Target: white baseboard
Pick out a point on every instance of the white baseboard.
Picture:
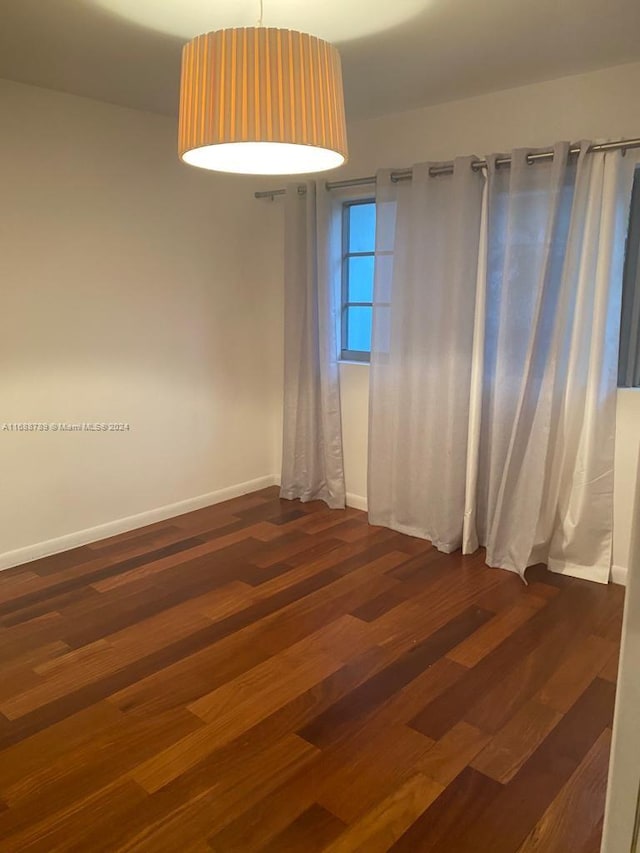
(131, 522)
(619, 574)
(356, 501)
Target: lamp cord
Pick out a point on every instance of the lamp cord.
(261, 13)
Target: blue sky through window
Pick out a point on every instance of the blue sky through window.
(359, 233)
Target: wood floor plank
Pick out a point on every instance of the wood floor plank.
(45, 605)
(482, 642)
(264, 820)
(507, 820)
(379, 828)
(223, 786)
(269, 675)
(529, 678)
(136, 571)
(446, 820)
(258, 639)
(88, 575)
(594, 842)
(512, 592)
(508, 750)
(20, 673)
(330, 725)
(27, 758)
(575, 673)
(452, 753)
(95, 691)
(92, 813)
(281, 550)
(89, 663)
(371, 766)
(78, 667)
(608, 622)
(276, 811)
(232, 708)
(149, 532)
(231, 711)
(404, 704)
(573, 817)
(173, 821)
(111, 752)
(312, 831)
(432, 568)
(148, 540)
(30, 637)
(438, 603)
(610, 670)
(481, 696)
(53, 564)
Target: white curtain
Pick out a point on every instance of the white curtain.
(543, 404)
(501, 337)
(312, 466)
(427, 236)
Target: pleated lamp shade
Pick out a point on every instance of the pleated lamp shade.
(261, 101)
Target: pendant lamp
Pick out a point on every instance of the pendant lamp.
(261, 101)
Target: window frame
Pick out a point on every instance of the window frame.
(347, 354)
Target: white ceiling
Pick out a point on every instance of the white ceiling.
(397, 54)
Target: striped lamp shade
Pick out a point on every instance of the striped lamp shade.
(261, 101)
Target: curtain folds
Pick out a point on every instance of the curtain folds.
(312, 465)
(547, 391)
(427, 237)
(494, 363)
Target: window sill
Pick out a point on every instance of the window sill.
(348, 361)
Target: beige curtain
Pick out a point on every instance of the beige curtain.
(312, 466)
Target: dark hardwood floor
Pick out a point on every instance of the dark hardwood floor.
(267, 675)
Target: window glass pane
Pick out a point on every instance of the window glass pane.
(361, 279)
(362, 227)
(359, 329)
(629, 354)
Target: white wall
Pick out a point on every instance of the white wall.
(626, 475)
(624, 769)
(133, 289)
(603, 104)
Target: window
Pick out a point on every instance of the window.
(358, 253)
(629, 364)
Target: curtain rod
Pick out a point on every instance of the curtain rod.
(447, 168)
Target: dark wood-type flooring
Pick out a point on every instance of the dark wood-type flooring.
(267, 675)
